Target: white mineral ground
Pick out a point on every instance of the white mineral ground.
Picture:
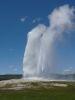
(18, 84)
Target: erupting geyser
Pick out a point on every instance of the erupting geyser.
(39, 49)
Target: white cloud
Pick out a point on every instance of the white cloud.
(68, 70)
(36, 20)
(23, 19)
(13, 68)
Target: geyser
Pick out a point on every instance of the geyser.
(38, 56)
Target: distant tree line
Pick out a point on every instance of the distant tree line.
(7, 77)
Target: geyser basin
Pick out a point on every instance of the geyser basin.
(21, 84)
(38, 56)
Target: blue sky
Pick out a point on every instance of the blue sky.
(17, 17)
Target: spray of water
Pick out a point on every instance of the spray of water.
(38, 56)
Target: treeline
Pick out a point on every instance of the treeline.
(7, 77)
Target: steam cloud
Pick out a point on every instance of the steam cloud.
(39, 49)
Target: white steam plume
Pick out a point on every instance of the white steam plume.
(39, 49)
(32, 50)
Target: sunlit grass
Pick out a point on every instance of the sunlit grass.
(54, 93)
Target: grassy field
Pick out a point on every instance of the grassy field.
(54, 93)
